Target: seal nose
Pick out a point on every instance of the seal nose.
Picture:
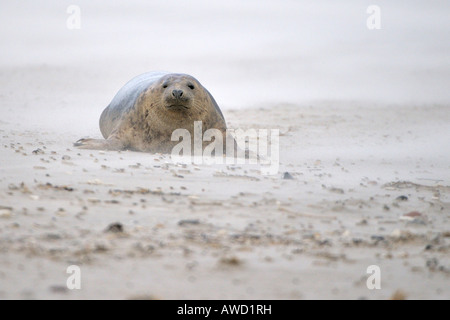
(177, 93)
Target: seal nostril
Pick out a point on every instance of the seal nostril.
(177, 93)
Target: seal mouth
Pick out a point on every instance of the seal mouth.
(177, 107)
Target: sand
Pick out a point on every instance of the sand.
(369, 178)
(201, 232)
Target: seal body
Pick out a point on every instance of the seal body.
(145, 112)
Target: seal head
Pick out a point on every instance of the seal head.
(177, 92)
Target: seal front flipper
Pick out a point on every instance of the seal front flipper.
(100, 144)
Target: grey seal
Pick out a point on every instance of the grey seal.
(147, 109)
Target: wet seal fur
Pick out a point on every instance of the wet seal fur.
(147, 109)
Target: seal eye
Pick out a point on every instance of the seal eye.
(191, 86)
(165, 85)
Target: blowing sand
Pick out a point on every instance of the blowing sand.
(360, 183)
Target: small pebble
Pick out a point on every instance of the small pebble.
(58, 289)
(398, 295)
(115, 227)
(38, 151)
(5, 213)
(377, 238)
(414, 216)
(230, 261)
(186, 222)
(287, 176)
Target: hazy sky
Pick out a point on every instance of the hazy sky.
(247, 52)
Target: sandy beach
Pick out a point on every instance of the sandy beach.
(364, 173)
